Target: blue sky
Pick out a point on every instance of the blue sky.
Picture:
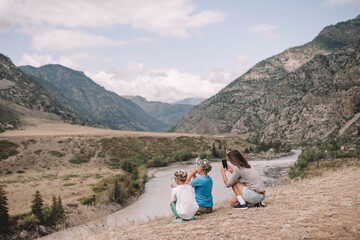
(164, 50)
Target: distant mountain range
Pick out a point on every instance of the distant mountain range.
(305, 94)
(168, 113)
(92, 102)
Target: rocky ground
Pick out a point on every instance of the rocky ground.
(321, 207)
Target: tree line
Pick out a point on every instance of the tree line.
(39, 214)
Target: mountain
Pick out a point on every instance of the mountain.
(306, 93)
(165, 112)
(190, 101)
(17, 88)
(91, 101)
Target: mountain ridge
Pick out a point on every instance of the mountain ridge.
(92, 101)
(233, 109)
(165, 112)
(18, 88)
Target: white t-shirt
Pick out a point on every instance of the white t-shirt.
(186, 205)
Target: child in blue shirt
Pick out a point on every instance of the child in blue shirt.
(202, 185)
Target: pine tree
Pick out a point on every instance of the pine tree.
(60, 209)
(117, 192)
(214, 152)
(53, 213)
(37, 205)
(4, 214)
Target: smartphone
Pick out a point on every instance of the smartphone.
(224, 163)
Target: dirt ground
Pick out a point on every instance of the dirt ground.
(322, 207)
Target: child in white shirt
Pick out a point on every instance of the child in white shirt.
(183, 203)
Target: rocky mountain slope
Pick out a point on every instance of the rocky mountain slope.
(18, 88)
(307, 93)
(165, 112)
(91, 101)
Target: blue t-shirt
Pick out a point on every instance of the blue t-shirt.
(203, 187)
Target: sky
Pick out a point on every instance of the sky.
(163, 50)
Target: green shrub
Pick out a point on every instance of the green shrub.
(68, 177)
(29, 220)
(158, 162)
(8, 149)
(303, 160)
(203, 155)
(79, 159)
(101, 155)
(20, 171)
(69, 184)
(57, 154)
(118, 194)
(183, 155)
(88, 200)
(72, 205)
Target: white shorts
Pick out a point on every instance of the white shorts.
(252, 197)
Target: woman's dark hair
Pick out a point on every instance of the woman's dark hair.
(238, 158)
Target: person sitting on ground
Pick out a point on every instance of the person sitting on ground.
(245, 181)
(183, 203)
(202, 185)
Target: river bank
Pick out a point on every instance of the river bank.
(154, 202)
(322, 207)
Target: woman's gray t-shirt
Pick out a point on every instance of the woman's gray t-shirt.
(248, 176)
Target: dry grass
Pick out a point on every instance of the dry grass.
(46, 146)
(326, 207)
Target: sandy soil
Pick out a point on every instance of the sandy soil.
(326, 207)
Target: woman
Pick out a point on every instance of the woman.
(245, 181)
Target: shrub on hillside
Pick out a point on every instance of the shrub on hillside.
(183, 155)
(29, 220)
(303, 160)
(202, 155)
(91, 200)
(79, 159)
(8, 149)
(57, 154)
(158, 162)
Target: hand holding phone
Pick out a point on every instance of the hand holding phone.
(224, 163)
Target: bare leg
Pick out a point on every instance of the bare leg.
(238, 188)
(234, 201)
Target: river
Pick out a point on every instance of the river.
(155, 200)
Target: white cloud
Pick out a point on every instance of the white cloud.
(168, 84)
(340, 2)
(176, 18)
(265, 31)
(133, 68)
(60, 39)
(37, 60)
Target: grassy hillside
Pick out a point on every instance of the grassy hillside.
(82, 170)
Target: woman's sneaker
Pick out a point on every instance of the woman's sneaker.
(241, 206)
